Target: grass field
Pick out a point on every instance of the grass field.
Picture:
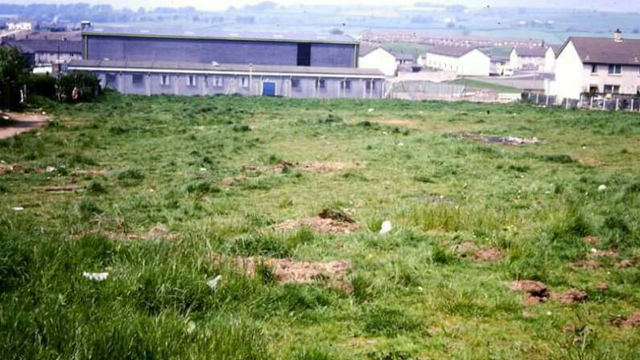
(477, 84)
(175, 189)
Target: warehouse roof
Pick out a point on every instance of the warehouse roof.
(220, 35)
(47, 46)
(171, 67)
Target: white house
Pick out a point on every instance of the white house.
(607, 66)
(463, 60)
(539, 58)
(19, 26)
(375, 57)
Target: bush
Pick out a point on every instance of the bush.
(43, 85)
(87, 85)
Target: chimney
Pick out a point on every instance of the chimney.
(617, 36)
(85, 24)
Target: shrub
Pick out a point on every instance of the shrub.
(86, 84)
(43, 85)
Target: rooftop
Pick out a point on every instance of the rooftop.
(48, 46)
(223, 68)
(450, 50)
(220, 35)
(531, 51)
(606, 50)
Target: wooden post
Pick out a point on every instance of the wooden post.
(604, 104)
(632, 99)
(617, 104)
(591, 106)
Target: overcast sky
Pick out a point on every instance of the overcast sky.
(605, 5)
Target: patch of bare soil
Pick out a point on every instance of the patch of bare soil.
(20, 122)
(291, 271)
(465, 249)
(602, 287)
(14, 168)
(90, 172)
(488, 255)
(506, 140)
(589, 161)
(631, 321)
(328, 167)
(587, 264)
(571, 296)
(536, 292)
(318, 225)
(159, 231)
(411, 124)
(603, 253)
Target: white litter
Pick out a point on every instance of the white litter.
(386, 227)
(191, 327)
(213, 282)
(594, 250)
(18, 208)
(370, 110)
(5, 117)
(400, 144)
(602, 188)
(50, 169)
(203, 169)
(96, 276)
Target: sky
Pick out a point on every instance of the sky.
(604, 5)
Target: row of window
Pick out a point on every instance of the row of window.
(613, 69)
(192, 80)
(608, 89)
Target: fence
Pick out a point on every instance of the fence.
(619, 103)
(425, 90)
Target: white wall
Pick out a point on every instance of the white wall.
(569, 74)
(513, 62)
(549, 61)
(475, 63)
(381, 60)
(629, 80)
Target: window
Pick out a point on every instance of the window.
(321, 84)
(612, 89)
(191, 80)
(345, 85)
(594, 68)
(371, 85)
(165, 80)
(137, 79)
(304, 55)
(217, 82)
(593, 89)
(111, 79)
(295, 83)
(244, 82)
(615, 69)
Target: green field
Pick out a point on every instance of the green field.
(477, 84)
(175, 190)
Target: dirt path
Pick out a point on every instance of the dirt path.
(22, 122)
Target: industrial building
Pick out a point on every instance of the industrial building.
(223, 47)
(155, 78)
(214, 62)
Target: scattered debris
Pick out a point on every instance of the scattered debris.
(157, 231)
(508, 140)
(18, 208)
(50, 169)
(571, 296)
(213, 282)
(64, 188)
(488, 255)
(386, 227)
(602, 188)
(291, 271)
(96, 276)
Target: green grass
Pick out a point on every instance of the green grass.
(477, 84)
(164, 160)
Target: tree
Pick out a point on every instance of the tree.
(12, 69)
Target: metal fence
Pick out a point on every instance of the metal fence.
(425, 90)
(618, 103)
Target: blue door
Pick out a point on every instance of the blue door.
(268, 89)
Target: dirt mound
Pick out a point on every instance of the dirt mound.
(336, 215)
(12, 168)
(571, 296)
(631, 321)
(411, 124)
(507, 140)
(602, 287)
(465, 249)
(624, 264)
(328, 167)
(589, 161)
(318, 225)
(488, 255)
(603, 253)
(531, 287)
(291, 271)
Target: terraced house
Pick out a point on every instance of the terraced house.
(140, 61)
(597, 66)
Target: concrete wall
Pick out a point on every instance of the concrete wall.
(55, 58)
(570, 74)
(473, 63)
(221, 51)
(381, 60)
(233, 84)
(549, 61)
